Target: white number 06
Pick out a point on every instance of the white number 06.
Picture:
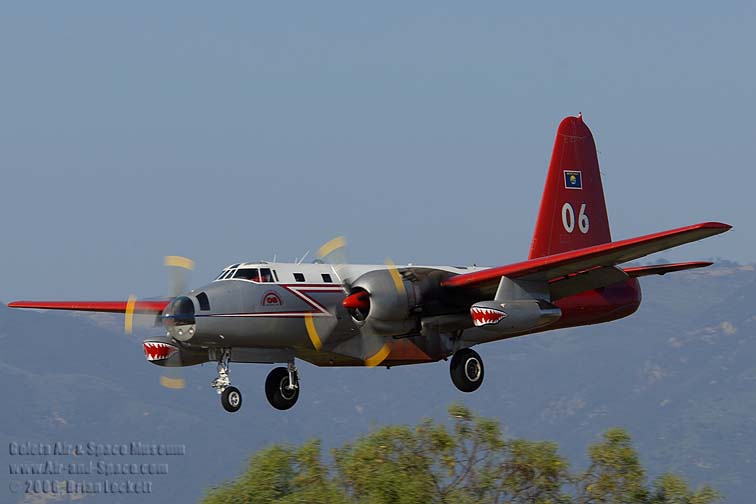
(568, 218)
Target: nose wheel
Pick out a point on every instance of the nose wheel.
(282, 387)
(231, 397)
(466, 370)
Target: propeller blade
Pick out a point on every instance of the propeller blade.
(136, 316)
(179, 273)
(375, 349)
(319, 329)
(175, 382)
(333, 252)
(128, 319)
(332, 248)
(178, 283)
(395, 276)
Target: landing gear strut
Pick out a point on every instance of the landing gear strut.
(282, 387)
(231, 397)
(466, 370)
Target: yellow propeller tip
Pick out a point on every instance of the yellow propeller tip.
(312, 332)
(179, 262)
(128, 319)
(172, 383)
(331, 246)
(395, 276)
(378, 357)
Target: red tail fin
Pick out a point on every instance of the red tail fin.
(573, 211)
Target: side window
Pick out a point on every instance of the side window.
(326, 277)
(299, 277)
(266, 275)
(203, 301)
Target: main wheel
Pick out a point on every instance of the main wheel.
(278, 391)
(466, 370)
(231, 399)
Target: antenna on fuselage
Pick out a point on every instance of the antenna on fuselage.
(303, 257)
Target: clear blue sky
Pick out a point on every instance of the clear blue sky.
(421, 130)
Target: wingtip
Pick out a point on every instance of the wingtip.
(721, 226)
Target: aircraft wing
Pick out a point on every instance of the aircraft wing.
(146, 306)
(555, 267)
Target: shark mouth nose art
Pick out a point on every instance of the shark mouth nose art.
(486, 316)
(156, 350)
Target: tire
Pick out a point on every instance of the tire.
(279, 396)
(231, 399)
(467, 370)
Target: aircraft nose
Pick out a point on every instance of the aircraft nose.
(179, 320)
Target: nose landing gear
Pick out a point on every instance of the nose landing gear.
(231, 397)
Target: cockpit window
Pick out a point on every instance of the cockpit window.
(266, 275)
(248, 274)
(221, 275)
(228, 274)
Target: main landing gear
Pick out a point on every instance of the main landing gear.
(281, 386)
(466, 370)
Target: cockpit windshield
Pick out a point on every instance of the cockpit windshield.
(248, 274)
(265, 275)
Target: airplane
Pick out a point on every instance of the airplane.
(331, 313)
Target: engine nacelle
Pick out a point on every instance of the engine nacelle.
(164, 352)
(390, 303)
(513, 317)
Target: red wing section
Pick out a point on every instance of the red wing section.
(574, 261)
(94, 306)
(662, 269)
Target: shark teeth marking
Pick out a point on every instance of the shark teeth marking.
(157, 350)
(486, 316)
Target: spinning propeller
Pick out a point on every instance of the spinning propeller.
(178, 280)
(373, 344)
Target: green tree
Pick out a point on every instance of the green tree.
(615, 474)
(467, 462)
(672, 489)
(282, 475)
